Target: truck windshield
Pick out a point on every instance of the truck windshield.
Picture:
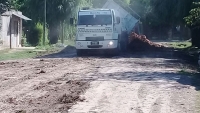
(98, 20)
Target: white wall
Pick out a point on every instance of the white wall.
(0, 28)
(15, 40)
(5, 28)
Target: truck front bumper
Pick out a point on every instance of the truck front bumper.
(106, 44)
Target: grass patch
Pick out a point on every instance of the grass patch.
(67, 42)
(56, 46)
(13, 54)
(24, 54)
(180, 45)
(46, 47)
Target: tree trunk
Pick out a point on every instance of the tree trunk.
(170, 34)
(195, 37)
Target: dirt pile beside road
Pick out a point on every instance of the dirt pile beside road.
(141, 43)
(68, 49)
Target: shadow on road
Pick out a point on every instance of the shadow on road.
(70, 52)
(170, 80)
(173, 59)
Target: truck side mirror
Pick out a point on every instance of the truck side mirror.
(118, 20)
(72, 21)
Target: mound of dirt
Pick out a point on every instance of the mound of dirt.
(68, 49)
(141, 43)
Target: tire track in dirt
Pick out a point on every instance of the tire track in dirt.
(118, 85)
(24, 89)
(132, 86)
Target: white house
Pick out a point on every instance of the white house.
(11, 28)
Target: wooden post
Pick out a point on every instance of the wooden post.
(44, 24)
(62, 40)
(11, 31)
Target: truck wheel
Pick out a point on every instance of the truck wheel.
(79, 52)
(117, 50)
(124, 42)
(113, 52)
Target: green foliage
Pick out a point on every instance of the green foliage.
(166, 13)
(57, 11)
(193, 21)
(39, 28)
(8, 4)
(35, 35)
(154, 14)
(4, 5)
(180, 45)
(14, 54)
(194, 17)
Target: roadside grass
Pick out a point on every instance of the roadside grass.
(56, 46)
(67, 42)
(180, 45)
(186, 51)
(13, 54)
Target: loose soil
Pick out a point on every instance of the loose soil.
(129, 83)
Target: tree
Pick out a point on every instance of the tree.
(161, 15)
(57, 12)
(193, 21)
(4, 5)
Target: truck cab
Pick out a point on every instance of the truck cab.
(97, 30)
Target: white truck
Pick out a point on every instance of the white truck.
(96, 30)
(100, 29)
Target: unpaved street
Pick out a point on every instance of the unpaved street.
(136, 83)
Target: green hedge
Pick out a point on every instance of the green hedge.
(35, 35)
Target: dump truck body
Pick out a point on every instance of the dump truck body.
(127, 21)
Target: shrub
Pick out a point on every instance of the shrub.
(35, 35)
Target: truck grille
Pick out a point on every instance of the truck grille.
(94, 30)
(94, 38)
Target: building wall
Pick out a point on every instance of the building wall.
(6, 31)
(0, 30)
(5, 28)
(15, 31)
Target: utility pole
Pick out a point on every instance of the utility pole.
(44, 25)
(62, 24)
(11, 31)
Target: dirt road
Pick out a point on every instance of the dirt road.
(135, 83)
